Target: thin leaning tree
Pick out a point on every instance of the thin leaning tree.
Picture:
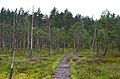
(13, 48)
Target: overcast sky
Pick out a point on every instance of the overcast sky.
(83, 7)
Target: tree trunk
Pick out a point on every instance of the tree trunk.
(106, 39)
(14, 42)
(94, 39)
(12, 65)
(49, 39)
(31, 36)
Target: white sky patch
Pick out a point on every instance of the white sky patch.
(83, 7)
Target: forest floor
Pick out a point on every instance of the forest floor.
(82, 65)
(91, 67)
(25, 69)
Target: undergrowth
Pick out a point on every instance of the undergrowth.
(25, 69)
(107, 67)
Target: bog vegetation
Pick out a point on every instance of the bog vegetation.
(32, 45)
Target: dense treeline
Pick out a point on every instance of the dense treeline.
(59, 30)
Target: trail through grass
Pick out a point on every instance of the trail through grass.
(25, 69)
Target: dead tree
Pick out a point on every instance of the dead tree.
(12, 66)
(31, 36)
(13, 49)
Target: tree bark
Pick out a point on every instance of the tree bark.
(31, 36)
(49, 39)
(14, 42)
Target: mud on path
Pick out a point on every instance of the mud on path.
(63, 69)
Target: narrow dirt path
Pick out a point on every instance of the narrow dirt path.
(63, 70)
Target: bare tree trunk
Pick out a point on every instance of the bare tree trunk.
(31, 36)
(74, 42)
(106, 46)
(39, 47)
(77, 43)
(106, 39)
(94, 39)
(28, 41)
(118, 46)
(118, 43)
(12, 65)
(13, 49)
(2, 35)
(49, 39)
